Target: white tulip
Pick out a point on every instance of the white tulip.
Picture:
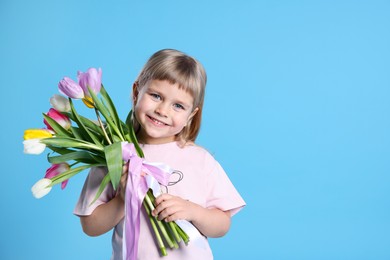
(33, 146)
(60, 103)
(41, 188)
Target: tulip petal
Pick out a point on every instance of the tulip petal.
(36, 134)
(70, 88)
(88, 101)
(64, 183)
(56, 169)
(33, 146)
(61, 119)
(40, 188)
(60, 103)
(92, 78)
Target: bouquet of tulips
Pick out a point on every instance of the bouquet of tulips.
(78, 143)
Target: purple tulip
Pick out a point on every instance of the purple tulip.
(56, 169)
(92, 78)
(70, 88)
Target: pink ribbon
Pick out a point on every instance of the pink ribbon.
(136, 189)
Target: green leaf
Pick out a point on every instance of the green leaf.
(80, 134)
(105, 112)
(133, 137)
(101, 107)
(116, 138)
(60, 150)
(70, 143)
(126, 132)
(57, 127)
(88, 123)
(103, 184)
(109, 129)
(114, 161)
(109, 104)
(111, 108)
(84, 131)
(77, 133)
(68, 174)
(79, 156)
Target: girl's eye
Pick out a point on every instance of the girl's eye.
(155, 96)
(178, 107)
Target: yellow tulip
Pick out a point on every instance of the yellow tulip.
(88, 101)
(37, 134)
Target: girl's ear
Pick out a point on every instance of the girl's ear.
(135, 92)
(192, 115)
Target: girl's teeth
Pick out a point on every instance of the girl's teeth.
(157, 122)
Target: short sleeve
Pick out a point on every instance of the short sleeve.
(90, 189)
(222, 193)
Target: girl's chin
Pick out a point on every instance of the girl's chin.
(155, 139)
(158, 140)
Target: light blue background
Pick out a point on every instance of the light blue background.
(297, 112)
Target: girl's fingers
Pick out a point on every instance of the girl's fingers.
(170, 208)
(125, 168)
(123, 181)
(160, 206)
(162, 197)
(171, 213)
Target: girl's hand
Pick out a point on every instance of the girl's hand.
(122, 184)
(172, 208)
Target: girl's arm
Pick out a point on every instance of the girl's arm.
(210, 222)
(104, 217)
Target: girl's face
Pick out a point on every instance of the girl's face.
(162, 109)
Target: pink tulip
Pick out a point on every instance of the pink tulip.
(92, 78)
(70, 88)
(56, 169)
(61, 119)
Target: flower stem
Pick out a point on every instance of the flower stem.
(158, 237)
(73, 164)
(182, 234)
(177, 233)
(159, 223)
(102, 126)
(174, 232)
(171, 235)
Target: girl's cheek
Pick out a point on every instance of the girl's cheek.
(138, 107)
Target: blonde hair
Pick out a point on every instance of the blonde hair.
(177, 68)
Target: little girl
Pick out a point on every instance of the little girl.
(168, 100)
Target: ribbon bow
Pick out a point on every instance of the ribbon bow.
(136, 188)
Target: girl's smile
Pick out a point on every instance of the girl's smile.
(163, 110)
(156, 122)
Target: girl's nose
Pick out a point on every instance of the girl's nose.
(162, 109)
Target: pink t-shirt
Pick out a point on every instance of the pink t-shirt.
(204, 182)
